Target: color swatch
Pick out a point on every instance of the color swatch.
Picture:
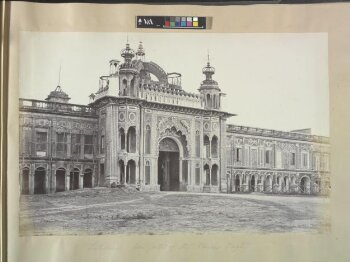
(181, 22)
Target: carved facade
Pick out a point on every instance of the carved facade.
(143, 130)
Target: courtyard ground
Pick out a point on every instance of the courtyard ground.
(122, 210)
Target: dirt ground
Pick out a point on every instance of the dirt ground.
(121, 210)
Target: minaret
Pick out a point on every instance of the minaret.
(127, 73)
(140, 53)
(209, 88)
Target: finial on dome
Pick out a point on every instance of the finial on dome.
(208, 58)
(59, 77)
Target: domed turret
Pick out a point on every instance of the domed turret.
(127, 53)
(128, 81)
(58, 95)
(209, 88)
(140, 53)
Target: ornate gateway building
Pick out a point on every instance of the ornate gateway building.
(141, 129)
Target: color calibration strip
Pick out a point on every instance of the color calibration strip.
(171, 22)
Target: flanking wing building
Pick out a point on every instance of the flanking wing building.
(142, 130)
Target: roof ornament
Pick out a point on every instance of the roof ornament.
(127, 53)
(59, 76)
(208, 71)
(140, 54)
(58, 95)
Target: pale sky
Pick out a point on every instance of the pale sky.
(276, 81)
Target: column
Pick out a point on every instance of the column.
(125, 166)
(31, 179)
(141, 140)
(209, 183)
(180, 170)
(81, 179)
(67, 180)
(136, 172)
(53, 182)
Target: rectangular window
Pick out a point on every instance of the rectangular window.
(198, 176)
(76, 144)
(61, 144)
(267, 157)
(305, 160)
(41, 144)
(27, 139)
(102, 144)
(292, 159)
(239, 154)
(254, 157)
(88, 144)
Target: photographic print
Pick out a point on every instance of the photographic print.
(157, 133)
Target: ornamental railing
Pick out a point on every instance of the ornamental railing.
(55, 107)
(276, 134)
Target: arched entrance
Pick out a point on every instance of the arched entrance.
(207, 174)
(131, 172)
(25, 181)
(237, 184)
(121, 172)
(305, 185)
(268, 184)
(39, 181)
(214, 175)
(168, 165)
(87, 181)
(74, 179)
(60, 179)
(252, 183)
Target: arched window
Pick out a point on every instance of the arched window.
(148, 140)
(132, 87)
(124, 87)
(206, 143)
(131, 140)
(208, 101)
(214, 147)
(122, 138)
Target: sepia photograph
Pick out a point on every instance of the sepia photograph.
(158, 133)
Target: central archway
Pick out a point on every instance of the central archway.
(168, 165)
